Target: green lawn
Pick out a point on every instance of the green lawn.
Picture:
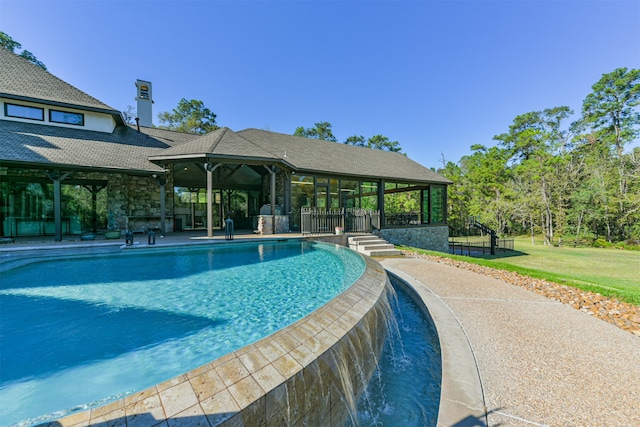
(611, 272)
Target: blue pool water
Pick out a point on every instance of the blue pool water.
(82, 331)
(405, 389)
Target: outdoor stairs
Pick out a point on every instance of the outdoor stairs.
(373, 246)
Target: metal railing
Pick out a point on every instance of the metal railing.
(403, 218)
(353, 220)
(476, 246)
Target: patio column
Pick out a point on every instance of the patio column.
(161, 180)
(210, 168)
(381, 203)
(273, 197)
(94, 190)
(57, 179)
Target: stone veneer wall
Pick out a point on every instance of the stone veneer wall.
(435, 238)
(309, 373)
(138, 196)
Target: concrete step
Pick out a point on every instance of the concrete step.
(382, 252)
(363, 238)
(373, 246)
(369, 243)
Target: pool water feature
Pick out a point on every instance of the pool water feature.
(114, 335)
(405, 389)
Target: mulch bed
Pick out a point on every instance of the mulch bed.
(621, 314)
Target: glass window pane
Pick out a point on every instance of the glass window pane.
(350, 194)
(333, 193)
(302, 190)
(369, 195)
(437, 204)
(425, 207)
(24, 112)
(66, 117)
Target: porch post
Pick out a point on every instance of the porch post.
(210, 168)
(273, 198)
(57, 201)
(381, 203)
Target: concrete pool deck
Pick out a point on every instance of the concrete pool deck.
(539, 362)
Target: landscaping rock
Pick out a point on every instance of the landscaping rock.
(621, 314)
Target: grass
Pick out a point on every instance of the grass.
(609, 272)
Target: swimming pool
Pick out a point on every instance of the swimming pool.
(115, 341)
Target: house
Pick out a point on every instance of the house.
(69, 165)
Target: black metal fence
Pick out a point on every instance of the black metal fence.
(477, 246)
(353, 220)
(404, 218)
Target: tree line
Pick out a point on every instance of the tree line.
(563, 180)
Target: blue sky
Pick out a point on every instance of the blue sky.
(436, 76)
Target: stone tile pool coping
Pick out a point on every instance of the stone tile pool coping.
(245, 387)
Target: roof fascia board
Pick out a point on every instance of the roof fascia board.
(79, 168)
(371, 178)
(221, 158)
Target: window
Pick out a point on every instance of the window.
(66, 117)
(438, 204)
(24, 112)
(350, 193)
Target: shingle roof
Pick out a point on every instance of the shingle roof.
(221, 143)
(169, 137)
(21, 79)
(124, 149)
(311, 155)
(302, 155)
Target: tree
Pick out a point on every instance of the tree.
(189, 116)
(9, 43)
(610, 108)
(322, 131)
(609, 113)
(129, 115)
(356, 140)
(485, 174)
(537, 140)
(380, 142)
(377, 142)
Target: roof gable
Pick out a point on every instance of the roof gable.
(222, 143)
(20, 79)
